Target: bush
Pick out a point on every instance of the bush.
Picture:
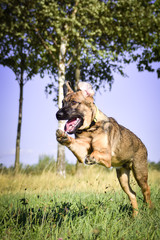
(45, 163)
(154, 166)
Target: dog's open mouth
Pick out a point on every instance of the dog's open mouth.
(73, 124)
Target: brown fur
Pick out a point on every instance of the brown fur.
(103, 141)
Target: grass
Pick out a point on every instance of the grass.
(89, 205)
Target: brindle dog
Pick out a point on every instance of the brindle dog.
(101, 140)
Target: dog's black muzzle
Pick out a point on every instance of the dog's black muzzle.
(62, 114)
(74, 119)
(59, 115)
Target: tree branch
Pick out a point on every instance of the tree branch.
(46, 47)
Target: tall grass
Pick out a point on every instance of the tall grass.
(87, 205)
(88, 179)
(92, 179)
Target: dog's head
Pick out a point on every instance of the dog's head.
(77, 107)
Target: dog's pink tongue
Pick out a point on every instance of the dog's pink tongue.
(70, 124)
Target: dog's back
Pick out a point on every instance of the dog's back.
(125, 144)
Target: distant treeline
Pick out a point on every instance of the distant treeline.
(48, 163)
(154, 166)
(45, 163)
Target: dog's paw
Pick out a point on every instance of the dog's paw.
(90, 160)
(62, 137)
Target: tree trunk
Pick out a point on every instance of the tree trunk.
(79, 166)
(61, 167)
(77, 77)
(17, 155)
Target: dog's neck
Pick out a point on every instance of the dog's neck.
(98, 115)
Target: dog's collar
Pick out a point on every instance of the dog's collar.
(92, 123)
(96, 116)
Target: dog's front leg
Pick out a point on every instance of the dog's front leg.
(97, 157)
(101, 153)
(79, 148)
(63, 138)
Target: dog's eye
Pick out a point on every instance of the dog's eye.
(74, 102)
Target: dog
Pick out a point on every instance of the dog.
(101, 140)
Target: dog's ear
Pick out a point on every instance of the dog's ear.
(67, 89)
(86, 89)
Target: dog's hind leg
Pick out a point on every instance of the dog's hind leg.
(123, 175)
(140, 172)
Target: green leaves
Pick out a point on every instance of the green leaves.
(18, 46)
(96, 32)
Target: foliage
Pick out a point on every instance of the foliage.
(100, 36)
(45, 164)
(19, 49)
(48, 164)
(65, 215)
(154, 166)
(152, 53)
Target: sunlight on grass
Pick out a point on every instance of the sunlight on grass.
(90, 179)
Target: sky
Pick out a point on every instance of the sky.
(133, 101)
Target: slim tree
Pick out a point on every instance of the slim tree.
(18, 51)
(61, 80)
(21, 85)
(54, 37)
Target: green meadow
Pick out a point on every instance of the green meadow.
(85, 205)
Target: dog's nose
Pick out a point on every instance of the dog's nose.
(59, 115)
